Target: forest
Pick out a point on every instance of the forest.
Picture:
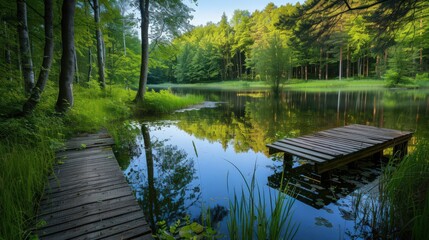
(76, 66)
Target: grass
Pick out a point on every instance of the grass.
(28, 144)
(401, 209)
(252, 216)
(165, 101)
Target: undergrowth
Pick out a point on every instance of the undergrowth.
(28, 144)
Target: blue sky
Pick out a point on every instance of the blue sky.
(212, 10)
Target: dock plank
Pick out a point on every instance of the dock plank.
(88, 196)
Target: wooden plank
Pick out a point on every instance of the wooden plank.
(378, 130)
(77, 212)
(327, 145)
(335, 142)
(320, 148)
(305, 150)
(281, 149)
(89, 219)
(83, 192)
(365, 134)
(96, 228)
(124, 229)
(55, 206)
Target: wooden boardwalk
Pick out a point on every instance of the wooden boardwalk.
(337, 147)
(88, 197)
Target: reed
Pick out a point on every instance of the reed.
(255, 216)
(401, 207)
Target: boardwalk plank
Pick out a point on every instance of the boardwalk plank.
(87, 197)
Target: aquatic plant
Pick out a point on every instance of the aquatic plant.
(253, 216)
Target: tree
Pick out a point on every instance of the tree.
(168, 18)
(48, 53)
(274, 62)
(100, 45)
(65, 94)
(24, 46)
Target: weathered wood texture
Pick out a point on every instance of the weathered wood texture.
(88, 197)
(337, 147)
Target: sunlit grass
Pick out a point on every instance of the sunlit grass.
(165, 101)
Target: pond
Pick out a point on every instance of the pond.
(188, 160)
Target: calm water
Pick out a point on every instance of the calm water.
(184, 161)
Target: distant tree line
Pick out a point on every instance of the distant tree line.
(315, 40)
(99, 41)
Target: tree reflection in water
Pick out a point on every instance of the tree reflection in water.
(163, 178)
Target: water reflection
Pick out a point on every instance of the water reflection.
(311, 190)
(163, 183)
(174, 183)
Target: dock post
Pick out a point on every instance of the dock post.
(287, 162)
(400, 150)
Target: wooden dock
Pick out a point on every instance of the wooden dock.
(337, 147)
(88, 197)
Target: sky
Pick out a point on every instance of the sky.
(212, 10)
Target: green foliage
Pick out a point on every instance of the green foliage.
(165, 101)
(252, 216)
(184, 229)
(400, 209)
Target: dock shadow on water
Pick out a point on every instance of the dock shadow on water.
(171, 181)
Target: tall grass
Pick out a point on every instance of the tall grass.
(165, 101)
(252, 215)
(401, 208)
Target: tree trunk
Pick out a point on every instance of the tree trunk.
(24, 45)
(65, 95)
(89, 63)
(7, 54)
(326, 66)
(306, 72)
(100, 47)
(348, 62)
(76, 68)
(367, 66)
(144, 11)
(48, 53)
(152, 199)
(340, 67)
(320, 64)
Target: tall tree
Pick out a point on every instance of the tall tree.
(65, 94)
(100, 45)
(144, 11)
(24, 46)
(48, 53)
(168, 19)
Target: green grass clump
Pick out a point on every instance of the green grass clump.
(95, 108)
(252, 216)
(408, 191)
(165, 101)
(401, 208)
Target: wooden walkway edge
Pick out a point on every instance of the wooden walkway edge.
(88, 196)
